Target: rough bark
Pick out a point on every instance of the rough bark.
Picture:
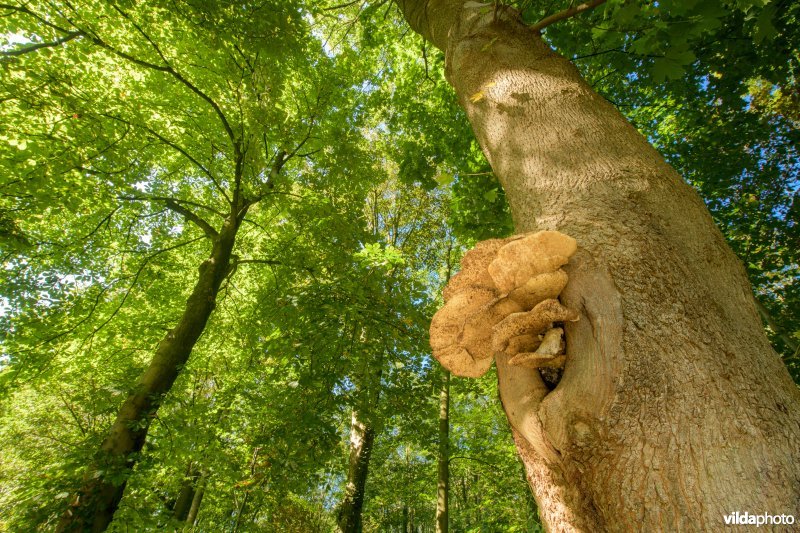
(362, 436)
(673, 409)
(93, 507)
(443, 459)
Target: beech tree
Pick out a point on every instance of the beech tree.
(629, 439)
(237, 141)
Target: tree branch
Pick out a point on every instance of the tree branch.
(43, 20)
(37, 46)
(258, 261)
(136, 279)
(165, 198)
(178, 149)
(470, 459)
(567, 13)
(210, 232)
(341, 6)
(779, 331)
(280, 159)
(178, 76)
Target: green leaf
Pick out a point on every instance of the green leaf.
(665, 68)
(681, 57)
(765, 29)
(444, 179)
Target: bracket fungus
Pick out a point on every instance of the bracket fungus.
(505, 301)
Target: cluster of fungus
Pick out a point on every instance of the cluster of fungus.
(505, 301)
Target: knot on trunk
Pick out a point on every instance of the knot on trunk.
(505, 300)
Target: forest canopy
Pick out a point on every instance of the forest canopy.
(225, 227)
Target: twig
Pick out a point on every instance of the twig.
(33, 47)
(567, 13)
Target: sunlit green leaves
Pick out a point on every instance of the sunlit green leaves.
(341, 261)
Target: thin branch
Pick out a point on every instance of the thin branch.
(106, 220)
(75, 326)
(210, 232)
(165, 198)
(178, 149)
(178, 76)
(425, 58)
(167, 69)
(33, 47)
(567, 13)
(22, 9)
(135, 281)
(312, 152)
(779, 331)
(341, 6)
(258, 261)
(470, 459)
(601, 52)
(72, 412)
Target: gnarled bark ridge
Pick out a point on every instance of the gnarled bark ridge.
(673, 409)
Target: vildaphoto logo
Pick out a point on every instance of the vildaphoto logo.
(765, 519)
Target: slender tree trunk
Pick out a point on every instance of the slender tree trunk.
(240, 512)
(248, 489)
(191, 517)
(362, 436)
(465, 510)
(673, 410)
(184, 501)
(93, 507)
(443, 460)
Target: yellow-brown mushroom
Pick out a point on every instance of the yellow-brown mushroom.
(502, 301)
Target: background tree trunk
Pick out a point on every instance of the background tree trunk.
(466, 511)
(362, 436)
(184, 501)
(93, 507)
(364, 418)
(199, 492)
(443, 459)
(673, 409)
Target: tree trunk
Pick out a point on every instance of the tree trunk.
(443, 460)
(673, 410)
(184, 501)
(465, 508)
(93, 507)
(240, 511)
(191, 518)
(362, 436)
